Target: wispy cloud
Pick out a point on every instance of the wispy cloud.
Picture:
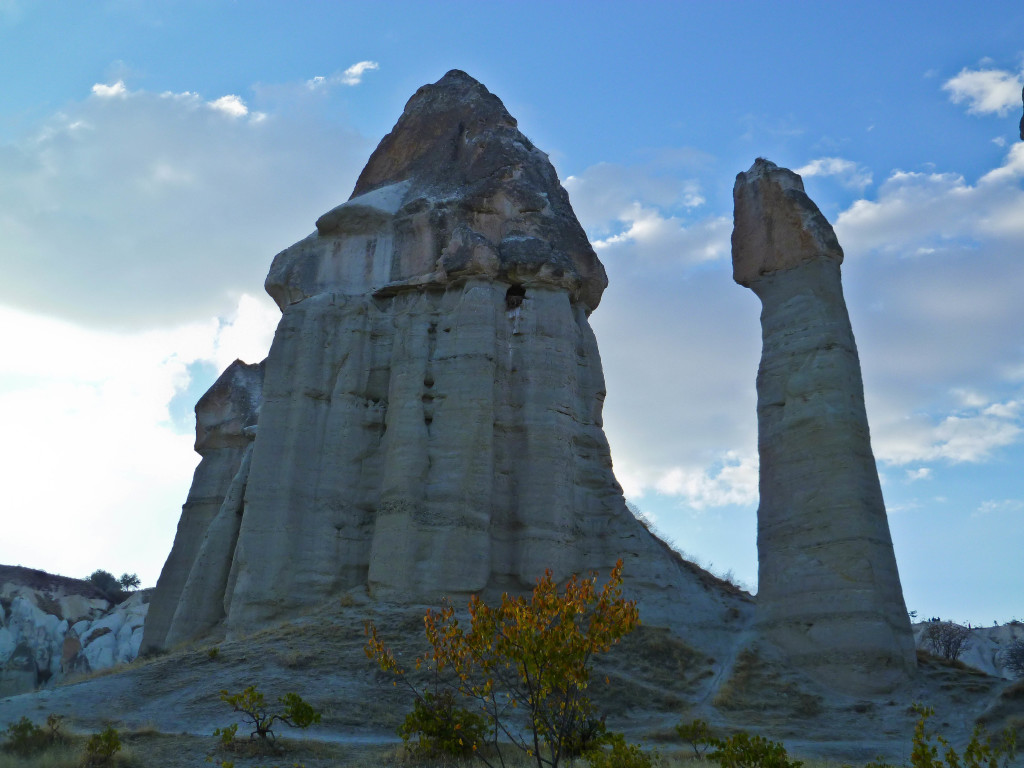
(986, 91)
(648, 213)
(351, 76)
(733, 480)
(968, 436)
(846, 172)
(993, 506)
(183, 201)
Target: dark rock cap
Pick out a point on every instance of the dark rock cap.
(776, 225)
(461, 152)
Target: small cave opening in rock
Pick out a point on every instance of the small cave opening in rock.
(514, 297)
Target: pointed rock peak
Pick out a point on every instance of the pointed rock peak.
(450, 133)
(776, 225)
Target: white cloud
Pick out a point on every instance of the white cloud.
(968, 436)
(936, 209)
(643, 212)
(847, 172)
(354, 74)
(651, 236)
(731, 481)
(351, 76)
(1003, 505)
(230, 105)
(150, 208)
(986, 91)
(921, 473)
(110, 91)
(106, 464)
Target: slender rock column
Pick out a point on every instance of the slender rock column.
(829, 593)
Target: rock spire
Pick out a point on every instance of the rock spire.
(431, 408)
(829, 593)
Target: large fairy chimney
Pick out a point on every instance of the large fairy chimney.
(431, 410)
(829, 593)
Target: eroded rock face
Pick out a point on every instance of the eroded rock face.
(225, 420)
(431, 415)
(52, 627)
(829, 592)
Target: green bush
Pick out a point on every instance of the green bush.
(697, 734)
(442, 728)
(980, 751)
(226, 735)
(251, 703)
(101, 748)
(741, 750)
(25, 738)
(589, 735)
(621, 755)
(106, 583)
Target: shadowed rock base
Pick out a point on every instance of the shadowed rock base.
(829, 592)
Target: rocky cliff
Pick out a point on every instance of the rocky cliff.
(431, 409)
(225, 426)
(829, 593)
(53, 627)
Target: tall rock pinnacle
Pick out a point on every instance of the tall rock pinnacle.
(431, 416)
(829, 592)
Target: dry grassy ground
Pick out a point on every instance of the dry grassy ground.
(167, 707)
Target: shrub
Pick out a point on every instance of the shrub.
(591, 734)
(226, 735)
(1013, 657)
(129, 582)
(105, 582)
(621, 755)
(101, 748)
(24, 738)
(741, 750)
(697, 734)
(534, 654)
(442, 728)
(253, 705)
(947, 639)
(980, 751)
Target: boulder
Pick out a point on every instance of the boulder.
(829, 592)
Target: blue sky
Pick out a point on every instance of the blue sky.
(154, 156)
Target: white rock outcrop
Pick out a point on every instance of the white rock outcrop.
(829, 592)
(431, 409)
(52, 627)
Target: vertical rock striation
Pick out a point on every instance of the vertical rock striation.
(829, 592)
(431, 410)
(224, 416)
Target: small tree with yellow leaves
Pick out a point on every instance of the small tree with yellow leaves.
(527, 662)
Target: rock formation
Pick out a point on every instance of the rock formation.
(431, 411)
(828, 590)
(225, 425)
(52, 627)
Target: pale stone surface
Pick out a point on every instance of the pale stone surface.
(431, 414)
(223, 414)
(39, 645)
(986, 647)
(829, 592)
